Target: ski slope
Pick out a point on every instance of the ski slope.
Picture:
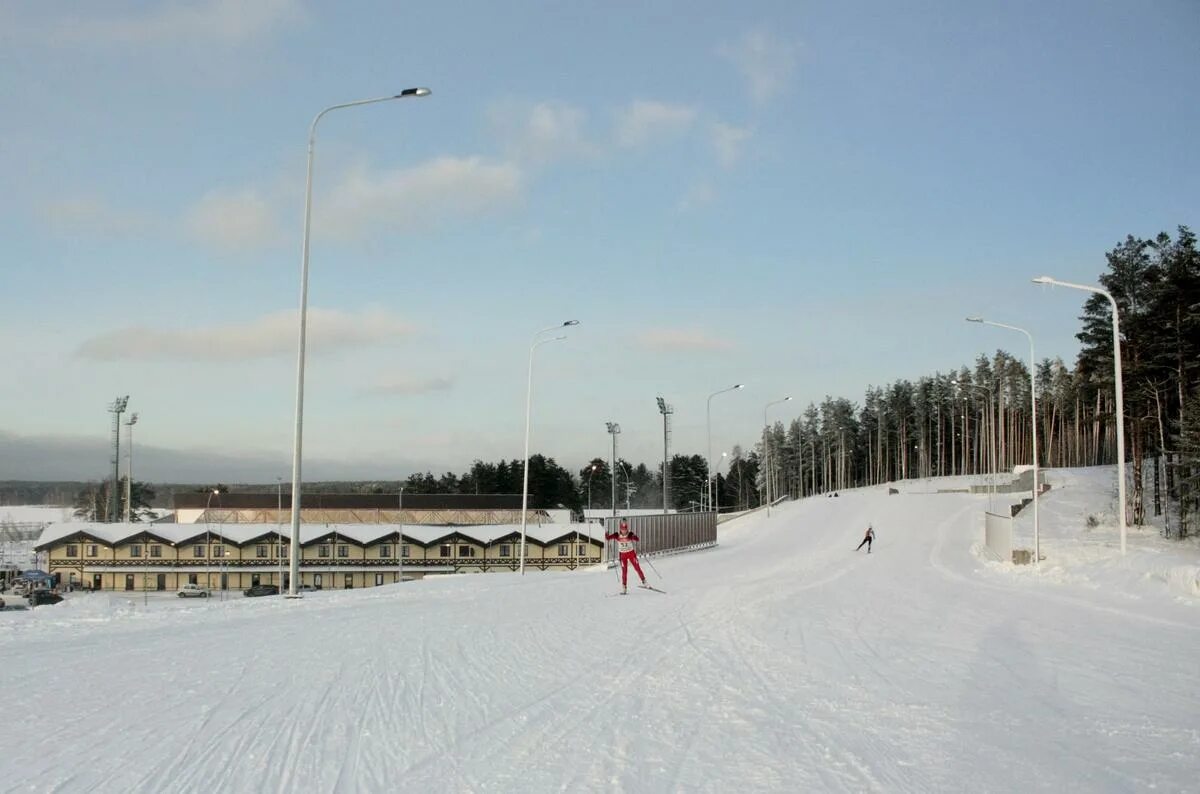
(780, 661)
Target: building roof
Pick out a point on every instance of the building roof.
(362, 534)
(269, 500)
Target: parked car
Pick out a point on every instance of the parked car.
(261, 590)
(308, 588)
(190, 590)
(42, 597)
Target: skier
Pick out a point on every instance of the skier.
(625, 540)
(870, 536)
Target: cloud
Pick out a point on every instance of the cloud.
(766, 63)
(271, 335)
(643, 122)
(419, 197)
(239, 220)
(402, 385)
(92, 214)
(542, 132)
(681, 339)
(727, 141)
(214, 21)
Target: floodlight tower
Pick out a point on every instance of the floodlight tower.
(116, 409)
(666, 411)
(614, 430)
(130, 422)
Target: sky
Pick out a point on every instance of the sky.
(806, 198)
(779, 661)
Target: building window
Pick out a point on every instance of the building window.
(135, 551)
(466, 551)
(563, 550)
(72, 550)
(378, 579)
(323, 551)
(443, 551)
(218, 551)
(260, 551)
(92, 550)
(384, 552)
(505, 549)
(343, 551)
(582, 550)
(197, 552)
(405, 551)
(156, 550)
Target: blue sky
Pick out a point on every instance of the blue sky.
(804, 197)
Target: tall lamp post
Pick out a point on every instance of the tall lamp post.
(590, 473)
(1120, 395)
(708, 424)
(208, 539)
(528, 402)
(130, 422)
(666, 411)
(614, 430)
(767, 449)
(717, 488)
(1037, 547)
(294, 549)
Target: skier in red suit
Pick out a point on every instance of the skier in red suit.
(625, 540)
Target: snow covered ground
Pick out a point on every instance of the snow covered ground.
(780, 661)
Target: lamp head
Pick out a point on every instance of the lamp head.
(571, 322)
(974, 319)
(787, 399)
(413, 92)
(1043, 280)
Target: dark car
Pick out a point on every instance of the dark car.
(261, 590)
(41, 597)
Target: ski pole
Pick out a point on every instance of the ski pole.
(660, 576)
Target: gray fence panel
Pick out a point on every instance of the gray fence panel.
(671, 533)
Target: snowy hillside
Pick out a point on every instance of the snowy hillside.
(780, 661)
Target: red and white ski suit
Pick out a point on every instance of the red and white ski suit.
(627, 555)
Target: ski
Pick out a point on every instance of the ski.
(652, 587)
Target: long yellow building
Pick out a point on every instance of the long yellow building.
(137, 557)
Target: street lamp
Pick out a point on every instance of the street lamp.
(130, 422)
(294, 556)
(590, 473)
(767, 449)
(528, 401)
(614, 429)
(666, 411)
(708, 425)
(1037, 548)
(1120, 395)
(208, 539)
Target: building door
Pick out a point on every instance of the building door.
(349, 581)
(161, 584)
(317, 580)
(97, 581)
(224, 581)
(254, 580)
(128, 581)
(378, 579)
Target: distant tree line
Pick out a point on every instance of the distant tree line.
(968, 420)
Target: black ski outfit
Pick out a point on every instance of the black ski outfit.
(870, 536)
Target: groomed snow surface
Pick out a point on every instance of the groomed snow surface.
(782, 660)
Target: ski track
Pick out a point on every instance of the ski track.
(780, 661)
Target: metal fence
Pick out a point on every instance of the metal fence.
(659, 535)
